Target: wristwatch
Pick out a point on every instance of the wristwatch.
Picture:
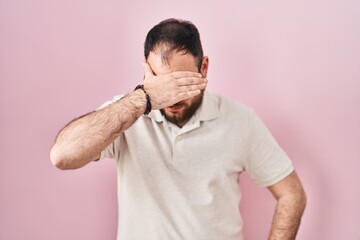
(148, 102)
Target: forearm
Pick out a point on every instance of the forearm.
(82, 140)
(287, 217)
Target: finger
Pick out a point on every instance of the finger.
(190, 81)
(147, 69)
(191, 88)
(186, 95)
(182, 74)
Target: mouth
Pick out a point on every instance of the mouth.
(175, 108)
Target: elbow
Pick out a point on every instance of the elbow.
(65, 159)
(299, 201)
(303, 199)
(58, 159)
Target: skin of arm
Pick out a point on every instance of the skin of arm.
(291, 202)
(83, 139)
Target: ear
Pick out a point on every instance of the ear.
(204, 66)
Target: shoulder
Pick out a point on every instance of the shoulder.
(114, 99)
(230, 107)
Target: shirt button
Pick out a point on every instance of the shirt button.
(179, 137)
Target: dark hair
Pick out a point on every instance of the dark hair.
(175, 34)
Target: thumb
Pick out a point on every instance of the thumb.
(147, 69)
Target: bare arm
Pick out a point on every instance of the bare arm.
(291, 201)
(82, 140)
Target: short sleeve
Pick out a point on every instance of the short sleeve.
(113, 149)
(108, 152)
(107, 103)
(267, 163)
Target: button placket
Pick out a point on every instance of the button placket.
(177, 143)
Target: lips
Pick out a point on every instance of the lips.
(175, 108)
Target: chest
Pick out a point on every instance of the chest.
(196, 149)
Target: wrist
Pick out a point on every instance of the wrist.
(147, 98)
(133, 104)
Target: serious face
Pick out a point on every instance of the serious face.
(182, 111)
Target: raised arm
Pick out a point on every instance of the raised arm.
(83, 139)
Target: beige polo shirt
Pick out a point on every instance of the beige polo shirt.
(183, 183)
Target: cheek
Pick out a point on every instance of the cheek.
(194, 99)
(189, 102)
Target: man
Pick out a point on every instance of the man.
(179, 163)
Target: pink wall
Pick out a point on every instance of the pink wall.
(296, 63)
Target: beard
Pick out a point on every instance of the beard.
(187, 111)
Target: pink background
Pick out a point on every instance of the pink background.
(297, 63)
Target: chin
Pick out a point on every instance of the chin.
(175, 116)
(182, 115)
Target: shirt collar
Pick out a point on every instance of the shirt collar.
(207, 111)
